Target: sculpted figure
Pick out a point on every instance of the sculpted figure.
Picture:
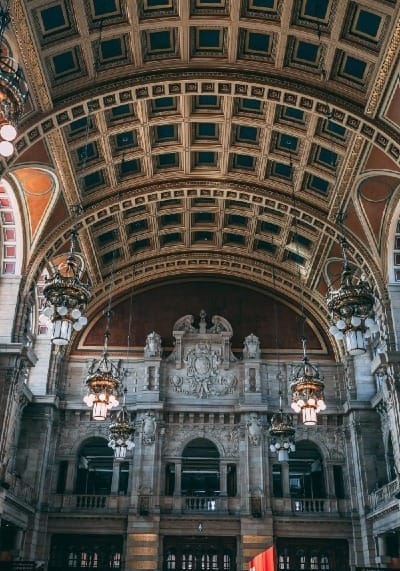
(251, 347)
(153, 345)
(149, 428)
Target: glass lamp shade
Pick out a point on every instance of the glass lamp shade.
(309, 415)
(120, 452)
(99, 410)
(62, 331)
(283, 455)
(354, 340)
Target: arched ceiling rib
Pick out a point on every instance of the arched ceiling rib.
(195, 133)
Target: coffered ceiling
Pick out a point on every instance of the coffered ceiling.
(213, 136)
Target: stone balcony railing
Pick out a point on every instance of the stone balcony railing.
(88, 502)
(209, 505)
(385, 494)
(23, 492)
(311, 506)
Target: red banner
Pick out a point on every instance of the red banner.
(264, 561)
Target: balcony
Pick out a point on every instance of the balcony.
(387, 494)
(310, 506)
(88, 502)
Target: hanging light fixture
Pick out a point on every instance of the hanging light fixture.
(66, 298)
(282, 433)
(120, 433)
(308, 390)
(103, 382)
(351, 309)
(13, 91)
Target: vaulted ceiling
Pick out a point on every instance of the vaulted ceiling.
(211, 138)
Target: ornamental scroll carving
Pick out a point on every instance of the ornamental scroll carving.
(202, 376)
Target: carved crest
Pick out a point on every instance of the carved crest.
(203, 377)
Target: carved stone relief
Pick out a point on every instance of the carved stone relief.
(202, 376)
(254, 427)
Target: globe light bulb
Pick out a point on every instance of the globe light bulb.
(8, 132)
(6, 149)
(76, 313)
(61, 310)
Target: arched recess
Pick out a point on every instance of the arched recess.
(38, 188)
(157, 307)
(94, 467)
(200, 468)
(306, 473)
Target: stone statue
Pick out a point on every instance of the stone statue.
(254, 425)
(153, 345)
(149, 428)
(251, 347)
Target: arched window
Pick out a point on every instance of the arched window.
(200, 468)
(306, 474)
(227, 562)
(187, 561)
(95, 467)
(324, 563)
(301, 559)
(314, 566)
(171, 560)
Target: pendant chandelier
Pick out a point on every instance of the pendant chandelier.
(13, 91)
(66, 298)
(120, 433)
(351, 309)
(282, 433)
(103, 384)
(308, 391)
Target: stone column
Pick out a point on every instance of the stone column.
(178, 478)
(285, 479)
(70, 479)
(222, 479)
(115, 478)
(329, 480)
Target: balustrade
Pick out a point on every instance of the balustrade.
(310, 506)
(384, 494)
(89, 502)
(201, 503)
